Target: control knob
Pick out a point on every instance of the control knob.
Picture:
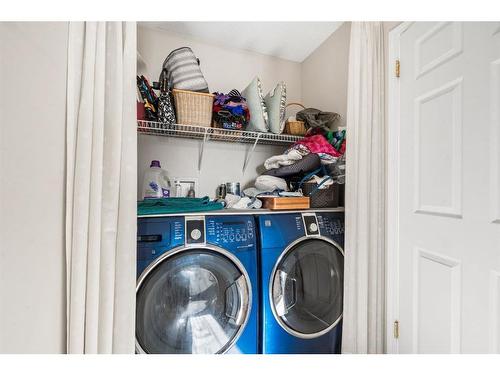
(195, 234)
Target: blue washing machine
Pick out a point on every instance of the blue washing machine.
(302, 277)
(197, 286)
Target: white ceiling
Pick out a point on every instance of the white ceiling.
(288, 40)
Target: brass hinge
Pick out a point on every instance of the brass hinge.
(396, 329)
(397, 68)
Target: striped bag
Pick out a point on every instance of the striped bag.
(182, 70)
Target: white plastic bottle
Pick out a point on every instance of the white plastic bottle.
(156, 182)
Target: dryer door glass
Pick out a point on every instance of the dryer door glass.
(195, 301)
(307, 287)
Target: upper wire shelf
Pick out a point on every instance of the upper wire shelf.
(214, 134)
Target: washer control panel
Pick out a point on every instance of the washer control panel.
(239, 231)
(195, 230)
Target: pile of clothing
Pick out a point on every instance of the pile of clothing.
(328, 149)
(315, 118)
(320, 156)
(230, 111)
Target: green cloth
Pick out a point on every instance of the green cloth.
(176, 205)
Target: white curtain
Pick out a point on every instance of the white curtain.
(364, 286)
(101, 187)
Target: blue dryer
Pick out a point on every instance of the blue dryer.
(302, 277)
(197, 286)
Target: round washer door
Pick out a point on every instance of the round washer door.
(306, 287)
(192, 301)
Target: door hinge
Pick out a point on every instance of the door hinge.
(397, 68)
(396, 329)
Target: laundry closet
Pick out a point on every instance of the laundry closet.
(243, 251)
(311, 62)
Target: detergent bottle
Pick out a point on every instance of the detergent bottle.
(156, 182)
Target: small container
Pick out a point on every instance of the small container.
(221, 191)
(295, 127)
(322, 197)
(233, 188)
(156, 182)
(285, 203)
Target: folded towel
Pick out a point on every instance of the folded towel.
(237, 202)
(277, 161)
(176, 205)
(270, 183)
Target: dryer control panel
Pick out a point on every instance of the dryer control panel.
(310, 224)
(332, 224)
(234, 231)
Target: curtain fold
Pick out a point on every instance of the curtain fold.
(364, 285)
(101, 174)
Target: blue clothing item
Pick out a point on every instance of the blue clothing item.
(176, 205)
(236, 110)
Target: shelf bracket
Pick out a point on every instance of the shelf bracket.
(200, 152)
(250, 153)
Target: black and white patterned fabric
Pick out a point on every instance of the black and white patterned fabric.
(166, 112)
(234, 92)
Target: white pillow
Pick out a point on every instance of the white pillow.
(275, 104)
(256, 106)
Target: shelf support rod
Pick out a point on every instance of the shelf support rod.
(200, 154)
(250, 153)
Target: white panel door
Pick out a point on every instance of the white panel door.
(448, 214)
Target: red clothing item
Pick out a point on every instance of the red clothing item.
(318, 144)
(342, 148)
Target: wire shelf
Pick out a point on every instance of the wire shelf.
(213, 134)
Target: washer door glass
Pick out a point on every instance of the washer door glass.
(307, 287)
(195, 301)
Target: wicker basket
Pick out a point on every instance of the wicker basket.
(193, 108)
(295, 127)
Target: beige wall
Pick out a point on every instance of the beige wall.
(224, 69)
(324, 74)
(32, 167)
